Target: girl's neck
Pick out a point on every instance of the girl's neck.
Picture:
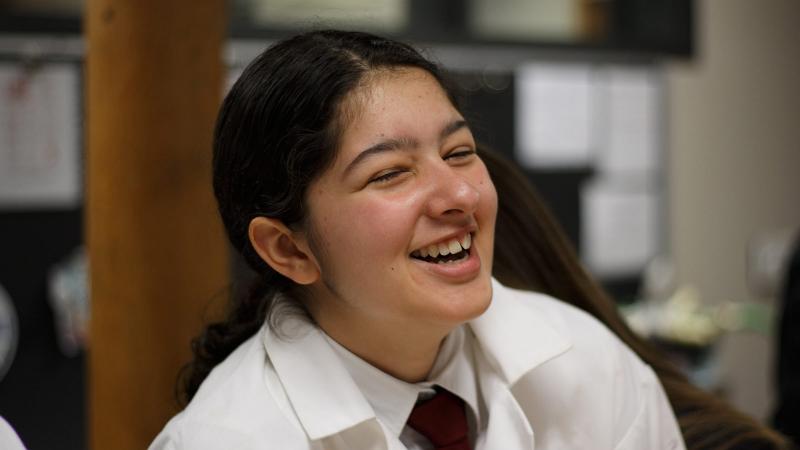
(404, 352)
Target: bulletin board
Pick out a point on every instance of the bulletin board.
(43, 392)
(589, 137)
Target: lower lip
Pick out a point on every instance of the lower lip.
(461, 271)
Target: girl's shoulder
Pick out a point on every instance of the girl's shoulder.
(235, 407)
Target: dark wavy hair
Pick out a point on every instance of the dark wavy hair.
(278, 129)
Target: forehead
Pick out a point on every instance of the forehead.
(393, 84)
(392, 103)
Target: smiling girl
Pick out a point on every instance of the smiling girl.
(350, 182)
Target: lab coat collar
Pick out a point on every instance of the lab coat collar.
(507, 425)
(516, 339)
(325, 403)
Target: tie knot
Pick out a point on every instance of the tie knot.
(442, 420)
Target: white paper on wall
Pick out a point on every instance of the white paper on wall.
(629, 120)
(619, 227)
(554, 120)
(39, 136)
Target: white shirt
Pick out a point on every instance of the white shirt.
(549, 376)
(393, 399)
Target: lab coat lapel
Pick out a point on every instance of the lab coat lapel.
(328, 404)
(513, 339)
(515, 336)
(368, 435)
(508, 426)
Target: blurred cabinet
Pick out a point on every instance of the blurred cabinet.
(658, 27)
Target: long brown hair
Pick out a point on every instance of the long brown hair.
(533, 253)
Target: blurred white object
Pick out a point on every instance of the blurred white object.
(553, 112)
(629, 121)
(8, 437)
(658, 278)
(619, 226)
(767, 256)
(685, 319)
(680, 319)
(9, 333)
(69, 298)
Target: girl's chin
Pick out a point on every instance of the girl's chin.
(461, 307)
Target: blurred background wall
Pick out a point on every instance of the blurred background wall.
(734, 165)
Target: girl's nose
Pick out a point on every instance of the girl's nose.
(452, 194)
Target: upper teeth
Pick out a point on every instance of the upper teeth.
(445, 248)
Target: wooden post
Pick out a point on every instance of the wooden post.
(157, 252)
(594, 20)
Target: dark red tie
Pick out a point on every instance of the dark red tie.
(442, 420)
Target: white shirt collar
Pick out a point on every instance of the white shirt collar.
(514, 340)
(393, 399)
(455, 369)
(326, 401)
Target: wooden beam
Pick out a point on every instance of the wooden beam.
(157, 252)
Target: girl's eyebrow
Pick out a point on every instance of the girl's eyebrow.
(389, 145)
(403, 143)
(451, 128)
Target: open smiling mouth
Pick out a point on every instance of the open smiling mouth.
(451, 251)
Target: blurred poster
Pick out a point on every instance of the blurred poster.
(619, 227)
(554, 115)
(629, 125)
(383, 15)
(39, 136)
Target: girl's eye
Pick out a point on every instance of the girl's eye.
(460, 154)
(386, 176)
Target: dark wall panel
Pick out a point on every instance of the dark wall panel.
(43, 393)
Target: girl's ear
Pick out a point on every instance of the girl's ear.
(278, 246)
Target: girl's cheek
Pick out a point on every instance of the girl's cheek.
(384, 225)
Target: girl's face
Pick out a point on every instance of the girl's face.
(391, 218)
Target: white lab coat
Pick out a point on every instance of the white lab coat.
(551, 376)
